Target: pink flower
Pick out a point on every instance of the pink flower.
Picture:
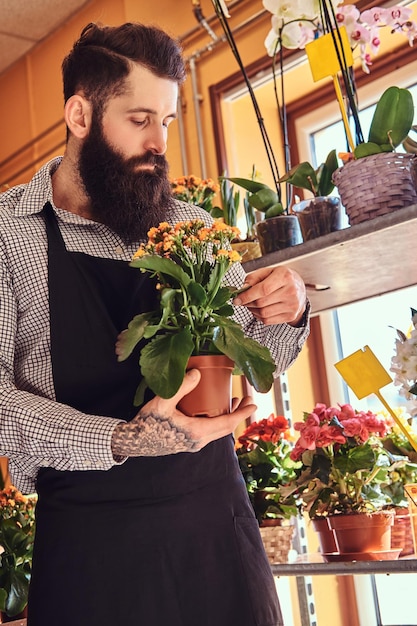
(308, 436)
(297, 452)
(329, 435)
(352, 427)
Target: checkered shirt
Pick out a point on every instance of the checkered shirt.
(35, 430)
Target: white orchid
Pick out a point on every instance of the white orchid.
(404, 366)
(296, 22)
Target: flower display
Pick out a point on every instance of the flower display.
(264, 457)
(190, 261)
(296, 23)
(195, 190)
(17, 530)
(345, 466)
(404, 365)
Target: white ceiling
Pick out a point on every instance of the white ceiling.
(24, 23)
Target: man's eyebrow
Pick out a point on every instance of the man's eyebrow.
(150, 111)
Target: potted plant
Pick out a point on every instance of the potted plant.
(279, 229)
(362, 180)
(264, 458)
(322, 214)
(402, 472)
(344, 469)
(193, 317)
(17, 530)
(248, 247)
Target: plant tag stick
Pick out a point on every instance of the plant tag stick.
(323, 60)
(366, 375)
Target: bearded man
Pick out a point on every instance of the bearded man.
(131, 528)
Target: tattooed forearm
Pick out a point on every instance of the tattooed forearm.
(150, 435)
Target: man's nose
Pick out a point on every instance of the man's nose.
(156, 142)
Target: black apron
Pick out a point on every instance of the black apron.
(156, 540)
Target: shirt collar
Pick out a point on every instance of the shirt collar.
(38, 191)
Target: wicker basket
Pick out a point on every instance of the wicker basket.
(401, 532)
(373, 186)
(277, 541)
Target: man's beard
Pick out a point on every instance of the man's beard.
(127, 200)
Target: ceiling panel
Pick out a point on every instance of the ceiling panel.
(24, 23)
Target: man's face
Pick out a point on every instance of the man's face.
(122, 163)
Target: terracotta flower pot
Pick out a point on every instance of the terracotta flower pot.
(325, 535)
(212, 396)
(362, 532)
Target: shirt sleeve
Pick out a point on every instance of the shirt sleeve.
(283, 340)
(36, 431)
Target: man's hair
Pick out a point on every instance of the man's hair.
(101, 60)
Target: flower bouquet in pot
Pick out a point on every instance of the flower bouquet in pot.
(190, 262)
(344, 469)
(263, 452)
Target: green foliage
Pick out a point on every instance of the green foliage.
(267, 468)
(391, 123)
(318, 181)
(17, 531)
(261, 197)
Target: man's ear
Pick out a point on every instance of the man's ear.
(78, 112)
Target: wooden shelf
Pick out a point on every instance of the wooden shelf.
(359, 262)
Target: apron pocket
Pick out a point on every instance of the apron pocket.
(257, 572)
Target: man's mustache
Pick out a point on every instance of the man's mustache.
(157, 160)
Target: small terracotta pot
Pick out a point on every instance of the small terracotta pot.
(213, 394)
(325, 535)
(362, 532)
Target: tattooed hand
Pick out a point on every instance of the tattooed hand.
(160, 428)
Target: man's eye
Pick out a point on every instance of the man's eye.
(139, 122)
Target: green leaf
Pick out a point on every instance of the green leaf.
(162, 265)
(250, 185)
(130, 337)
(263, 199)
(18, 595)
(357, 458)
(197, 294)
(163, 362)
(275, 210)
(325, 174)
(302, 175)
(139, 398)
(251, 358)
(366, 149)
(222, 296)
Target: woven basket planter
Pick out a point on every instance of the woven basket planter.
(401, 532)
(376, 185)
(277, 541)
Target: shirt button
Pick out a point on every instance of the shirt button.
(118, 250)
